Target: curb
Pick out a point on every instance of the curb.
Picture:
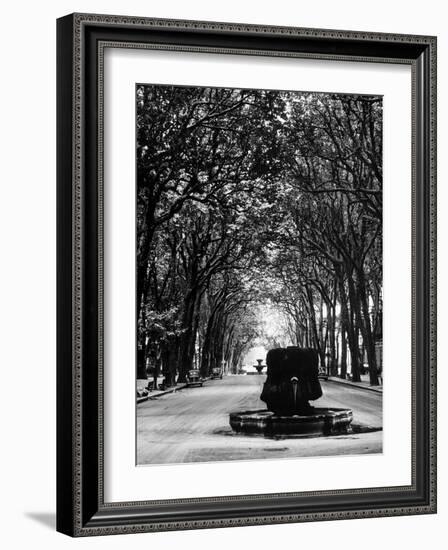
(354, 385)
(160, 393)
(142, 399)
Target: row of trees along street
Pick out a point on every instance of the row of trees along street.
(253, 197)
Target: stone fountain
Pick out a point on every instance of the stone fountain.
(292, 381)
(259, 368)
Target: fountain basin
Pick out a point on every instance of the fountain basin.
(320, 421)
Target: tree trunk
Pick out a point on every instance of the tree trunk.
(366, 329)
(343, 354)
(188, 337)
(157, 365)
(206, 346)
(314, 328)
(352, 329)
(169, 361)
(141, 364)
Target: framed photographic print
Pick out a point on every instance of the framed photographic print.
(246, 274)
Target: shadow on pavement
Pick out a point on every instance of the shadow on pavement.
(355, 430)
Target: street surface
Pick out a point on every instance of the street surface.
(192, 425)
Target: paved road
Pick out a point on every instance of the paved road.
(192, 425)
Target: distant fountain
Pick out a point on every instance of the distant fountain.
(292, 381)
(259, 367)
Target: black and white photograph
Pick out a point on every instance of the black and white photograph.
(222, 278)
(259, 284)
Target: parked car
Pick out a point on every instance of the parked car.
(194, 378)
(322, 374)
(216, 373)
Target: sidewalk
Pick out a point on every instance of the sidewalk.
(142, 383)
(365, 385)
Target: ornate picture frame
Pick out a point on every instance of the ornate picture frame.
(81, 506)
